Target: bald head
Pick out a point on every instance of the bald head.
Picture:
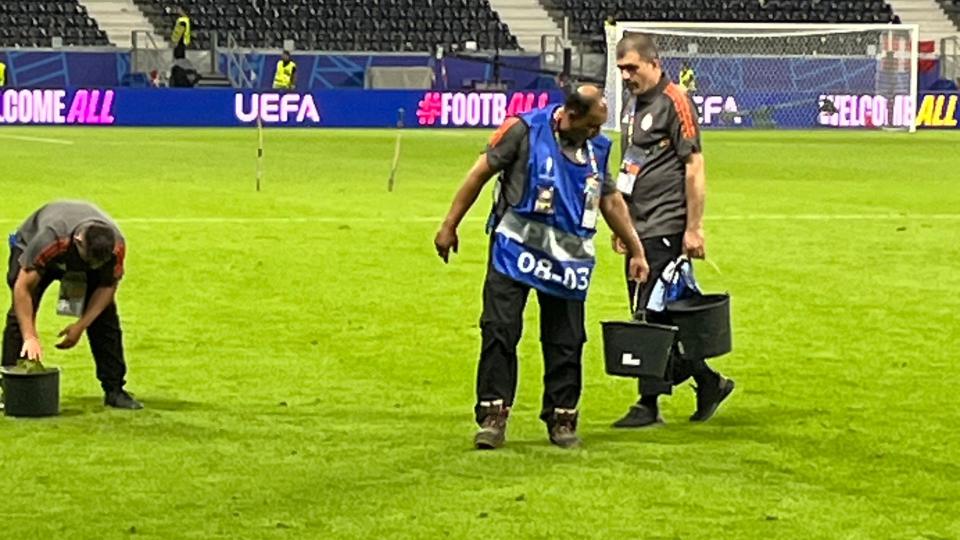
(586, 99)
(584, 113)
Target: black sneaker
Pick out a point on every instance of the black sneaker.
(493, 427)
(709, 398)
(639, 416)
(562, 428)
(120, 399)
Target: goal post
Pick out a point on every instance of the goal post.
(784, 75)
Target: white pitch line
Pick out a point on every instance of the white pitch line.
(213, 220)
(256, 220)
(429, 219)
(35, 139)
(829, 217)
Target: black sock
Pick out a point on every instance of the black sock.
(649, 401)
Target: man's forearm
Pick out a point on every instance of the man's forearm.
(99, 300)
(696, 188)
(617, 216)
(467, 194)
(23, 308)
(462, 201)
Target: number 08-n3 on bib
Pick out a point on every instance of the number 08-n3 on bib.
(546, 240)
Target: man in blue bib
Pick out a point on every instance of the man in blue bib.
(554, 184)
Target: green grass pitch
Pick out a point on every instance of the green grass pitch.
(307, 362)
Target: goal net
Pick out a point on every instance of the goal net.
(795, 76)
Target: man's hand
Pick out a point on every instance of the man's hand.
(617, 215)
(71, 335)
(639, 269)
(618, 246)
(31, 349)
(446, 240)
(694, 244)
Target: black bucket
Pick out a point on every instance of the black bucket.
(31, 394)
(703, 325)
(637, 348)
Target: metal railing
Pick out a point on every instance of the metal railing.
(950, 59)
(238, 68)
(146, 55)
(551, 50)
(584, 65)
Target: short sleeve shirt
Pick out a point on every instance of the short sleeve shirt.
(46, 240)
(666, 133)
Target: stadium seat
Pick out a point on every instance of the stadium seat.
(401, 25)
(587, 16)
(35, 23)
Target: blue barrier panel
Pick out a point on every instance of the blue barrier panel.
(431, 109)
(227, 107)
(326, 71)
(33, 68)
(49, 69)
(804, 110)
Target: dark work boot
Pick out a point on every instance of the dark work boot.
(562, 427)
(493, 426)
(120, 399)
(639, 416)
(709, 398)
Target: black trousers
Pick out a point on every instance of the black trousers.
(104, 334)
(562, 336)
(661, 250)
(179, 51)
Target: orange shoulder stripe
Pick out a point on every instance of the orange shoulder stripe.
(52, 251)
(688, 126)
(502, 130)
(120, 252)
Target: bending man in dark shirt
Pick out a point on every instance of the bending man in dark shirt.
(77, 244)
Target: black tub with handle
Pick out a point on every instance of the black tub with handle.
(703, 325)
(31, 393)
(637, 348)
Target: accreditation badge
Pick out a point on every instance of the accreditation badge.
(73, 294)
(591, 202)
(544, 204)
(633, 161)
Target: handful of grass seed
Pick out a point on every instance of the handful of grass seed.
(25, 366)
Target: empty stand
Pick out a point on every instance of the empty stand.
(32, 23)
(340, 25)
(587, 16)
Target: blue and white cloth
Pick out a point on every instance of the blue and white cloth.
(675, 283)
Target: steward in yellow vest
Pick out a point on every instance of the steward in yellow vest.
(181, 35)
(688, 78)
(286, 76)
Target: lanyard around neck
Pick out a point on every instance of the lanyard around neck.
(630, 122)
(590, 153)
(592, 157)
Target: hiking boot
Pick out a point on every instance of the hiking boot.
(639, 416)
(562, 428)
(493, 427)
(709, 398)
(120, 399)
